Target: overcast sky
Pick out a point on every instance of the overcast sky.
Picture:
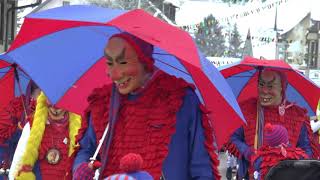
(290, 12)
(261, 24)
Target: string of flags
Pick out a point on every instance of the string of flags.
(265, 6)
(262, 38)
(195, 27)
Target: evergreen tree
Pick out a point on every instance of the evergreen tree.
(247, 49)
(234, 43)
(209, 37)
(163, 10)
(118, 4)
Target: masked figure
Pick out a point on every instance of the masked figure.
(149, 113)
(272, 107)
(49, 145)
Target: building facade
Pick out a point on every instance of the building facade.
(7, 23)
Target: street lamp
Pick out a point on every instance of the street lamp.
(312, 48)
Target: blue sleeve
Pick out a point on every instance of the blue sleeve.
(257, 166)
(304, 141)
(188, 157)
(237, 139)
(200, 165)
(87, 147)
(12, 144)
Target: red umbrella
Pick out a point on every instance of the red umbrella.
(61, 49)
(243, 79)
(6, 84)
(13, 83)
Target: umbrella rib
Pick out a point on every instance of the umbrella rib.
(246, 84)
(240, 76)
(166, 54)
(172, 66)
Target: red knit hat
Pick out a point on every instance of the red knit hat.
(274, 135)
(131, 165)
(143, 49)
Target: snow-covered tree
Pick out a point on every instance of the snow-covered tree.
(119, 4)
(235, 42)
(159, 8)
(209, 37)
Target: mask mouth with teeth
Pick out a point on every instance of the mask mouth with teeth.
(55, 112)
(271, 87)
(129, 62)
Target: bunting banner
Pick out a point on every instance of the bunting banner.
(254, 11)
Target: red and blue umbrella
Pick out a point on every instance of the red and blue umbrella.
(13, 83)
(61, 49)
(243, 79)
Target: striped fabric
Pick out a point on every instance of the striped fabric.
(83, 172)
(277, 136)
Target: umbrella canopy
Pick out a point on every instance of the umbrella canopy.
(62, 51)
(13, 83)
(243, 79)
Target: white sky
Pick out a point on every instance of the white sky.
(290, 12)
(261, 24)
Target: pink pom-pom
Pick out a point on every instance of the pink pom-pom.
(268, 127)
(131, 162)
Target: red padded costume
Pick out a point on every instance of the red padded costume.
(292, 120)
(271, 156)
(56, 136)
(145, 126)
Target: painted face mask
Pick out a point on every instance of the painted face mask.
(128, 66)
(270, 88)
(54, 112)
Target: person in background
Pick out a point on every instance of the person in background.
(149, 113)
(231, 165)
(12, 120)
(270, 106)
(276, 148)
(50, 144)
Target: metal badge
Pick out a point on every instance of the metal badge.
(53, 156)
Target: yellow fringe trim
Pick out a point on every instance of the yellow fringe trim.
(26, 176)
(31, 153)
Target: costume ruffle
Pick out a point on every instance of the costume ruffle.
(98, 108)
(232, 149)
(293, 120)
(145, 125)
(9, 118)
(271, 156)
(208, 133)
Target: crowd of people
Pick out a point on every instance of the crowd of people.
(148, 124)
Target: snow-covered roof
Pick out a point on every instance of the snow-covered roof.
(176, 3)
(222, 61)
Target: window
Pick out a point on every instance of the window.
(2, 19)
(65, 3)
